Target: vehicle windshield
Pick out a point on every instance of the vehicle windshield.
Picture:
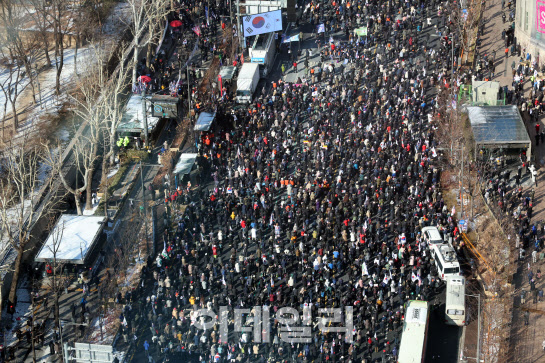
(243, 93)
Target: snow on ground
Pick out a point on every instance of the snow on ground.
(50, 103)
(118, 19)
(48, 79)
(23, 311)
(13, 215)
(114, 171)
(110, 325)
(92, 211)
(9, 84)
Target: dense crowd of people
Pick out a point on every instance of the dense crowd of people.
(315, 198)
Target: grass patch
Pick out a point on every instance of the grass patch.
(133, 155)
(118, 177)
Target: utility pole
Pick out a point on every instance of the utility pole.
(145, 117)
(188, 94)
(462, 185)
(239, 32)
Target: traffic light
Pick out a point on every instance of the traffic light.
(11, 307)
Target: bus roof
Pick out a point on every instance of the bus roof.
(447, 254)
(414, 332)
(456, 290)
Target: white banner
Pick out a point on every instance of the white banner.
(262, 23)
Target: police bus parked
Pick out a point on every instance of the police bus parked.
(445, 260)
(415, 332)
(455, 309)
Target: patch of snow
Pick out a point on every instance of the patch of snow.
(23, 310)
(5, 81)
(13, 215)
(63, 135)
(92, 211)
(114, 171)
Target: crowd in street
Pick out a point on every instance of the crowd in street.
(316, 198)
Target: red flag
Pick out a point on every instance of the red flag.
(197, 30)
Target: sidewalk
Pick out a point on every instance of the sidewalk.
(526, 340)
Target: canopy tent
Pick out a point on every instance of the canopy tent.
(205, 121)
(185, 164)
(498, 126)
(72, 239)
(227, 72)
(133, 118)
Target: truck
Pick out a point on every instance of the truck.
(262, 51)
(247, 81)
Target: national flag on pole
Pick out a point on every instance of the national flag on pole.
(321, 28)
(197, 30)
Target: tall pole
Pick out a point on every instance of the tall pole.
(462, 185)
(239, 32)
(145, 117)
(188, 93)
(479, 329)
(145, 209)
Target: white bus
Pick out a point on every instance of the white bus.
(455, 309)
(263, 51)
(445, 260)
(415, 332)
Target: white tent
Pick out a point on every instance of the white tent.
(72, 239)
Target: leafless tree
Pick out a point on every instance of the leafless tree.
(55, 283)
(20, 199)
(38, 11)
(58, 12)
(144, 12)
(11, 88)
(22, 48)
(112, 94)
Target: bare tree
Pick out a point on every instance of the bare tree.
(58, 13)
(112, 94)
(22, 49)
(10, 89)
(20, 200)
(144, 12)
(55, 283)
(38, 10)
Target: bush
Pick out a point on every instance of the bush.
(136, 155)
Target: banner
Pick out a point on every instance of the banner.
(293, 38)
(540, 18)
(220, 83)
(197, 30)
(321, 28)
(262, 23)
(361, 31)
